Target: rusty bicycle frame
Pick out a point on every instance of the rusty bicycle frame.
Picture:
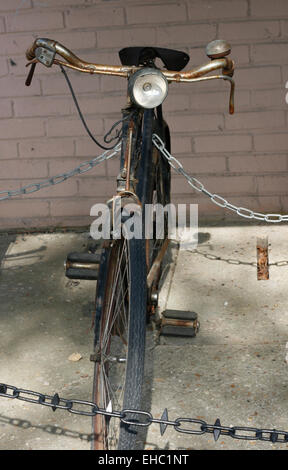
(44, 50)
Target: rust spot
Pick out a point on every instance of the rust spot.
(262, 259)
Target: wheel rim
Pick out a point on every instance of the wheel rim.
(111, 350)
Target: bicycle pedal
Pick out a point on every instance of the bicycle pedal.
(82, 266)
(179, 323)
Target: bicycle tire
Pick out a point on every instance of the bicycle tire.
(108, 435)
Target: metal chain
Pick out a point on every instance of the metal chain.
(144, 418)
(218, 200)
(79, 170)
(173, 162)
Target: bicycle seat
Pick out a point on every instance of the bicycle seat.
(173, 60)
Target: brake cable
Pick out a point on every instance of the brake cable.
(118, 133)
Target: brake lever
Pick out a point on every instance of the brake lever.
(31, 73)
(231, 99)
(232, 91)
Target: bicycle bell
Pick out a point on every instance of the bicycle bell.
(218, 48)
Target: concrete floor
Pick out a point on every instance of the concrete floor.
(235, 369)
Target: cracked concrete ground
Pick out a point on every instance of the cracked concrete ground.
(234, 369)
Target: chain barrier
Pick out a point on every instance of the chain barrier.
(79, 170)
(142, 418)
(215, 198)
(173, 162)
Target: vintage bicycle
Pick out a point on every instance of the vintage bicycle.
(129, 269)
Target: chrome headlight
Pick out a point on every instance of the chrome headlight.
(148, 88)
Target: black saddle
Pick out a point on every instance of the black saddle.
(173, 60)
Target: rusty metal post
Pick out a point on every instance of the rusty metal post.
(262, 259)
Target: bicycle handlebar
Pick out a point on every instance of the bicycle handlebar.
(44, 50)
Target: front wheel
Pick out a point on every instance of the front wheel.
(121, 301)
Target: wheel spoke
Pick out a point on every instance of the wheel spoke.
(113, 339)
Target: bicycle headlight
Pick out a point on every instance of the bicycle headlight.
(148, 88)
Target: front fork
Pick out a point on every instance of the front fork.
(136, 179)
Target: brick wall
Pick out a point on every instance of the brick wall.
(242, 157)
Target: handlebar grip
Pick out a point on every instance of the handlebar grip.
(30, 74)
